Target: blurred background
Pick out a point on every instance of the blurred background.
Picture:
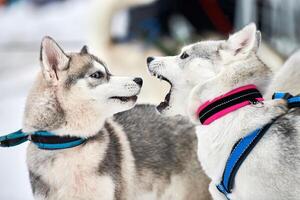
(122, 33)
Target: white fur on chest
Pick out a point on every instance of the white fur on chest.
(73, 173)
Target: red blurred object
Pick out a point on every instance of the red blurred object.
(217, 16)
(2, 2)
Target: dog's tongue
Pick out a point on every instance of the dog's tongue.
(165, 103)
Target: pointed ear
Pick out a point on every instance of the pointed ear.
(84, 50)
(53, 59)
(245, 41)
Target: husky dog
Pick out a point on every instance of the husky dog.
(272, 169)
(137, 154)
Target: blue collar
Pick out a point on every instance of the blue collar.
(42, 139)
(244, 146)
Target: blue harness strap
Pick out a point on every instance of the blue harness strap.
(237, 156)
(42, 139)
(244, 146)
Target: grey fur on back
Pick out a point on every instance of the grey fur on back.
(164, 146)
(158, 143)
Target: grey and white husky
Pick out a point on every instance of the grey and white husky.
(272, 170)
(136, 154)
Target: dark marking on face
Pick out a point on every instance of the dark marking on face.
(104, 65)
(73, 78)
(201, 52)
(82, 72)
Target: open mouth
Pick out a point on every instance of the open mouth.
(125, 99)
(163, 105)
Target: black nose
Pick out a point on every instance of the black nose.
(138, 81)
(149, 59)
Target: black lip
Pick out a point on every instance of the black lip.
(163, 105)
(165, 79)
(125, 99)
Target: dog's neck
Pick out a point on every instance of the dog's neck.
(223, 133)
(249, 71)
(44, 111)
(178, 99)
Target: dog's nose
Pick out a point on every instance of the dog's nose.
(149, 59)
(138, 81)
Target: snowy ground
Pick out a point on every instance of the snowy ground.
(21, 29)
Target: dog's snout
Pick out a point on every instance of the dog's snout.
(149, 59)
(138, 81)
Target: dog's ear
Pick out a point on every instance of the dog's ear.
(53, 59)
(84, 50)
(244, 41)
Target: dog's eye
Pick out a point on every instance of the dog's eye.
(184, 55)
(97, 75)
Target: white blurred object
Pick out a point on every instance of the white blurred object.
(120, 23)
(25, 23)
(181, 28)
(278, 19)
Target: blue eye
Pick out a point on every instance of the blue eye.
(97, 75)
(184, 55)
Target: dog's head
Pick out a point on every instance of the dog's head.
(75, 92)
(200, 62)
(195, 64)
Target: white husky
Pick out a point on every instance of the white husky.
(272, 169)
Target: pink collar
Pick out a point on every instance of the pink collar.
(229, 102)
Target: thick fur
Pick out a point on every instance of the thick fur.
(137, 154)
(272, 170)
